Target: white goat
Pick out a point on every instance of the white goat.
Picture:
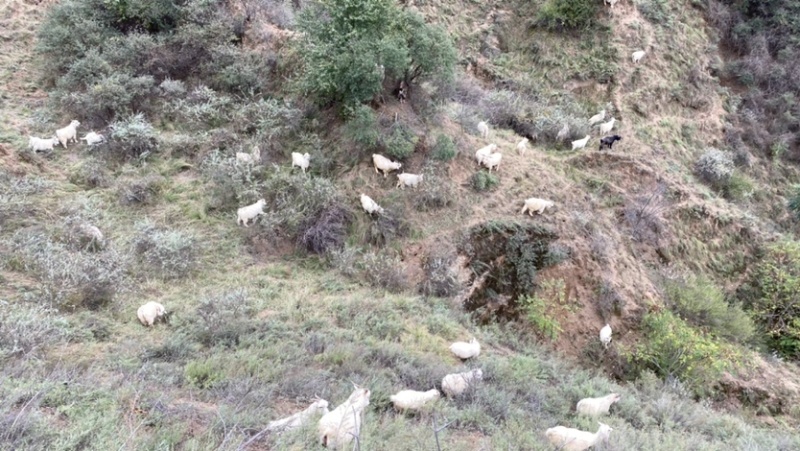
(568, 439)
(41, 144)
(580, 143)
(93, 138)
(466, 350)
(492, 161)
(605, 335)
(596, 406)
(411, 180)
(301, 160)
(537, 205)
(369, 205)
(597, 117)
(606, 127)
(483, 128)
(563, 133)
(245, 214)
(318, 407)
(338, 427)
(253, 157)
(70, 132)
(638, 55)
(484, 152)
(383, 164)
(150, 312)
(457, 383)
(412, 399)
(522, 146)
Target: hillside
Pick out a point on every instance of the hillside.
(681, 237)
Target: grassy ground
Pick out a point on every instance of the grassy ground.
(258, 327)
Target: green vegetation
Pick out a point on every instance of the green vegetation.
(672, 348)
(557, 14)
(349, 46)
(316, 293)
(772, 297)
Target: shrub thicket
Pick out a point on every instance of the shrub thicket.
(69, 279)
(699, 301)
(674, 349)
(771, 296)
(559, 14)
(168, 254)
(344, 45)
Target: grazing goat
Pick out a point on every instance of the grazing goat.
(638, 55)
(457, 383)
(568, 439)
(483, 129)
(369, 205)
(596, 406)
(563, 133)
(597, 117)
(41, 144)
(412, 399)
(319, 406)
(383, 164)
(245, 214)
(301, 160)
(70, 132)
(609, 141)
(522, 146)
(492, 161)
(93, 138)
(605, 335)
(580, 143)
(484, 152)
(606, 127)
(411, 180)
(151, 312)
(466, 350)
(535, 204)
(338, 427)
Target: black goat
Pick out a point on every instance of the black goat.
(608, 141)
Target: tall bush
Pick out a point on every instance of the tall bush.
(345, 43)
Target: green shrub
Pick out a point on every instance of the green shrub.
(143, 191)
(794, 201)
(299, 204)
(362, 127)
(672, 348)
(400, 143)
(536, 311)
(483, 181)
(444, 149)
(231, 185)
(434, 192)
(25, 332)
(203, 374)
(69, 279)
(441, 279)
(715, 167)
(699, 301)
(558, 14)
(223, 318)
(111, 97)
(772, 297)
(132, 137)
(169, 254)
(343, 45)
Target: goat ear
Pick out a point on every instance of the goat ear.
(355, 386)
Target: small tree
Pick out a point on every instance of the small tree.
(775, 300)
(348, 46)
